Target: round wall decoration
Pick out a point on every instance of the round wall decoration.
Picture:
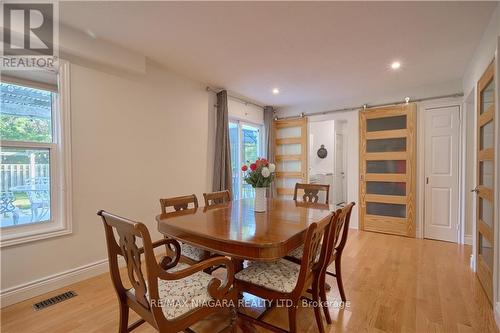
(322, 152)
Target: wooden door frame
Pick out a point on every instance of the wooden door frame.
(409, 178)
(420, 196)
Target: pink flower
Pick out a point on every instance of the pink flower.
(244, 168)
(253, 166)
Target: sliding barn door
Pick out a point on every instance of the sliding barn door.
(485, 179)
(290, 154)
(387, 169)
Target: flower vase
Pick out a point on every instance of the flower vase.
(260, 205)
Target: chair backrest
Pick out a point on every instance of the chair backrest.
(216, 198)
(128, 231)
(179, 203)
(339, 230)
(311, 192)
(310, 260)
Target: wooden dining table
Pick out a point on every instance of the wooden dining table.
(234, 229)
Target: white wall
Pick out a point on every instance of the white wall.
(135, 138)
(321, 133)
(483, 54)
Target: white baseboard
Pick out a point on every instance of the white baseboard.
(468, 239)
(37, 287)
(497, 314)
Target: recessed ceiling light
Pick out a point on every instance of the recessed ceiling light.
(396, 65)
(276, 91)
(91, 33)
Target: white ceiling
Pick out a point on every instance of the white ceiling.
(319, 54)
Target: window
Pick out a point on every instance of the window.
(34, 153)
(245, 142)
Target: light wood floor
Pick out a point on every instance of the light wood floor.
(394, 284)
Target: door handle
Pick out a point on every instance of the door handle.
(426, 180)
(476, 190)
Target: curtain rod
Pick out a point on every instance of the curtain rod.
(244, 101)
(407, 100)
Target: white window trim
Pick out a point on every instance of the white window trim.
(240, 161)
(61, 220)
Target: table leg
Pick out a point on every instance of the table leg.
(238, 264)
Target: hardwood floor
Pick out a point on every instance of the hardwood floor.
(394, 284)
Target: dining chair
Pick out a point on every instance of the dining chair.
(336, 247)
(170, 296)
(311, 192)
(286, 281)
(189, 253)
(216, 198)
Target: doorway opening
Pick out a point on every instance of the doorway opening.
(327, 157)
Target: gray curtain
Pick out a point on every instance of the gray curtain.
(269, 143)
(222, 161)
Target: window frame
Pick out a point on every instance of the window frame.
(240, 123)
(60, 222)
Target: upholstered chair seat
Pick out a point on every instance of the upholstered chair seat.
(178, 297)
(299, 252)
(192, 252)
(278, 275)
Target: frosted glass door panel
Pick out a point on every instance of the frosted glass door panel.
(384, 145)
(486, 211)
(386, 188)
(386, 123)
(386, 209)
(290, 166)
(486, 136)
(288, 132)
(486, 174)
(487, 97)
(287, 182)
(486, 251)
(289, 149)
(386, 166)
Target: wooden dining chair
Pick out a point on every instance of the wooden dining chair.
(337, 240)
(285, 280)
(189, 253)
(171, 296)
(311, 192)
(216, 198)
(179, 203)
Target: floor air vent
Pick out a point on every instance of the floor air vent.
(54, 300)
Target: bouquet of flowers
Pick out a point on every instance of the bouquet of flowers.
(260, 173)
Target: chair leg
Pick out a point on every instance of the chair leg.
(124, 310)
(317, 311)
(338, 276)
(322, 294)
(292, 318)
(234, 320)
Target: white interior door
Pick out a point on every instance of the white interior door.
(441, 173)
(339, 173)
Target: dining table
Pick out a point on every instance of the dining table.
(235, 230)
